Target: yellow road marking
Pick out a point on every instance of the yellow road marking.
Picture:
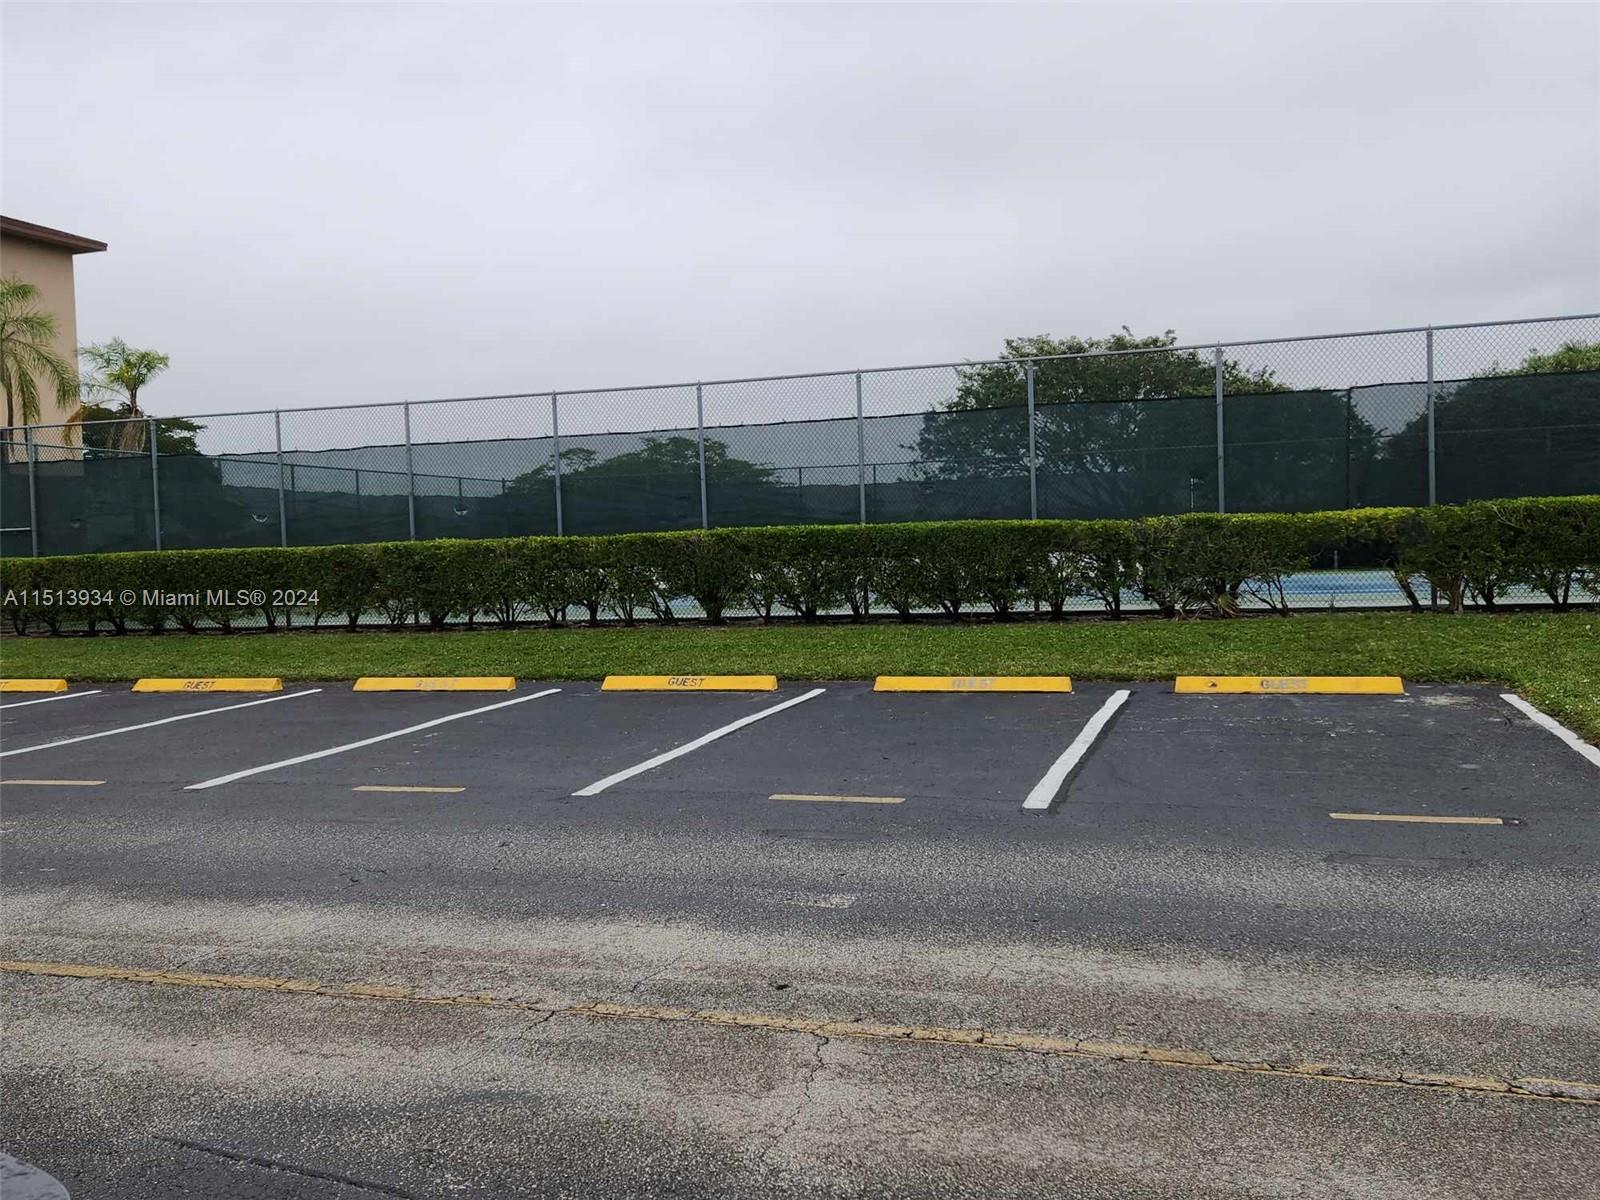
(838, 799)
(1267, 685)
(380, 787)
(690, 683)
(1564, 1091)
(435, 683)
(1342, 816)
(972, 683)
(221, 684)
(53, 782)
(33, 685)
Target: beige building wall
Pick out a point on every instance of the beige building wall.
(43, 257)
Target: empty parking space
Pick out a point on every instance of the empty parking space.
(110, 706)
(412, 729)
(52, 716)
(983, 752)
(50, 699)
(164, 742)
(1450, 767)
(149, 735)
(511, 755)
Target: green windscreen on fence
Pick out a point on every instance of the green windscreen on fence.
(1282, 451)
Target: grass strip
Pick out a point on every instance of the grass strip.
(1551, 659)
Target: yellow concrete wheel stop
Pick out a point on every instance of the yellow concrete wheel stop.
(972, 683)
(690, 683)
(33, 685)
(215, 684)
(1291, 685)
(436, 683)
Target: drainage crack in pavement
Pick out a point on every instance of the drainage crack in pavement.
(1564, 1091)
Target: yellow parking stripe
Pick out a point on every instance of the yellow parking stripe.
(690, 683)
(380, 787)
(1272, 685)
(219, 684)
(972, 683)
(33, 685)
(838, 799)
(436, 683)
(1557, 1091)
(1345, 816)
(52, 782)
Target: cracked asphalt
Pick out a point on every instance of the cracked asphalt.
(1187, 891)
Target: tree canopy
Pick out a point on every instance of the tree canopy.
(117, 371)
(27, 357)
(1532, 429)
(120, 371)
(656, 486)
(1573, 356)
(674, 456)
(1100, 454)
(174, 435)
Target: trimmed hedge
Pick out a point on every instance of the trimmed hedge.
(1198, 564)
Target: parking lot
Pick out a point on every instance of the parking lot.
(1398, 885)
(1459, 764)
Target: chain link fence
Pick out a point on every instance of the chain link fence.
(1392, 417)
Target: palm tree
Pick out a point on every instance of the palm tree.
(119, 370)
(26, 358)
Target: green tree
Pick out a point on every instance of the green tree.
(118, 371)
(1573, 356)
(1532, 429)
(675, 457)
(654, 487)
(26, 356)
(174, 435)
(1100, 455)
(121, 371)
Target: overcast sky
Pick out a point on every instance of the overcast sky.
(328, 203)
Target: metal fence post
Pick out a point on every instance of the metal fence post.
(283, 516)
(861, 454)
(700, 450)
(155, 478)
(1433, 454)
(1349, 424)
(1222, 466)
(33, 489)
(1033, 459)
(555, 451)
(411, 479)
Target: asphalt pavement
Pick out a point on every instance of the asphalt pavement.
(561, 942)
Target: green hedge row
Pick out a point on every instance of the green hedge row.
(1202, 563)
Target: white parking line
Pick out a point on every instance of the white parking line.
(1554, 726)
(650, 764)
(52, 782)
(371, 741)
(204, 712)
(51, 699)
(1044, 792)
